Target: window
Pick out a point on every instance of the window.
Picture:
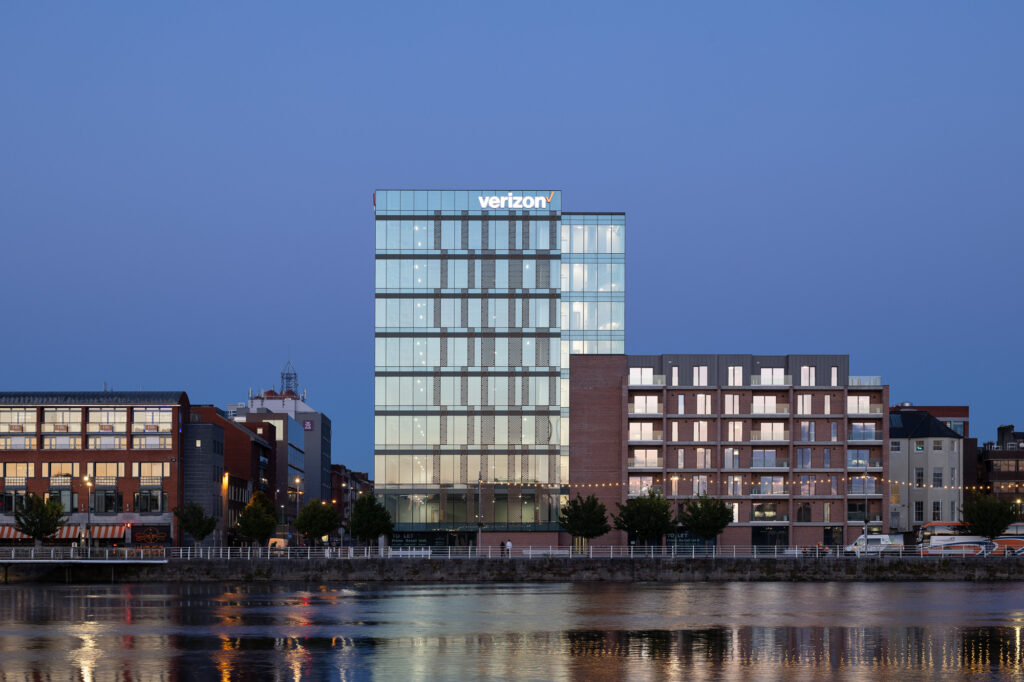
(108, 419)
(106, 502)
(639, 485)
(919, 477)
(735, 375)
(645, 457)
(803, 404)
(107, 442)
(700, 375)
(62, 442)
(936, 511)
(894, 496)
(732, 458)
(937, 444)
(807, 377)
(642, 404)
(857, 459)
(151, 469)
(833, 485)
(641, 376)
(17, 443)
(937, 477)
(735, 431)
(864, 431)
(918, 512)
(803, 458)
(150, 502)
(770, 485)
(700, 485)
(765, 458)
(807, 485)
(106, 469)
(806, 431)
(773, 431)
(735, 512)
(675, 376)
(952, 511)
(894, 446)
(803, 513)
(835, 376)
(862, 485)
(732, 403)
(152, 442)
(700, 430)
(734, 485)
(643, 431)
(858, 404)
(828, 404)
(772, 376)
(703, 403)
(828, 512)
(681, 404)
(52, 469)
(1004, 465)
(918, 446)
(763, 404)
(68, 499)
(835, 431)
(764, 511)
(675, 431)
(18, 469)
(827, 462)
(952, 476)
(703, 458)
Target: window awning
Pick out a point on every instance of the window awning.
(107, 532)
(10, 533)
(67, 532)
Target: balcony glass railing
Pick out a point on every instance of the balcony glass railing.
(644, 490)
(758, 463)
(769, 409)
(769, 435)
(864, 464)
(767, 489)
(865, 435)
(644, 462)
(656, 380)
(643, 409)
(871, 409)
(769, 517)
(865, 517)
(645, 435)
(758, 380)
(865, 381)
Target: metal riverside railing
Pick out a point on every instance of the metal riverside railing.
(142, 554)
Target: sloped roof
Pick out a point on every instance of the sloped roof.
(93, 398)
(916, 424)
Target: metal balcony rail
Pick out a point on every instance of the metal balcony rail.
(634, 409)
(778, 409)
(769, 464)
(656, 380)
(866, 381)
(84, 553)
(649, 435)
(151, 481)
(758, 489)
(63, 481)
(105, 481)
(14, 481)
(872, 409)
(869, 435)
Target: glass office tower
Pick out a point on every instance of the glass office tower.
(480, 298)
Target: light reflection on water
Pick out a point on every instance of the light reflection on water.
(560, 632)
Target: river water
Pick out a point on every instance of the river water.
(697, 631)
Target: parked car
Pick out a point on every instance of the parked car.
(873, 545)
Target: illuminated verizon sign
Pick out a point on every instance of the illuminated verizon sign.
(510, 201)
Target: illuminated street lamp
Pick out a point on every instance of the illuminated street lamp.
(88, 512)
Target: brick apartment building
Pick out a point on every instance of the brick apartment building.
(113, 458)
(1001, 464)
(346, 487)
(792, 443)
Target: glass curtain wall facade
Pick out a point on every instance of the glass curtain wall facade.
(472, 333)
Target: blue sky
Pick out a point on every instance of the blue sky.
(185, 191)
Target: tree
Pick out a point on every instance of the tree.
(316, 520)
(703, 516)
(584, 519)
(194, 521)
(369, 519)
(646, 518)
(38, 518)
(987, 515)
(257, 521)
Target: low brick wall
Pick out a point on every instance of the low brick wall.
(532, 570)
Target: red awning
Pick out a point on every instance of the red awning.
(107, 532)
(67, 532)
(9, 533)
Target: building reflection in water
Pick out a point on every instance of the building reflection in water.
(183, 632)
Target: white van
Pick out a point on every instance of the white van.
(875, 544)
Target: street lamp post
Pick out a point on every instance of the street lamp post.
(88, 512)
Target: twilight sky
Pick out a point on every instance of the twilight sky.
(185, 190)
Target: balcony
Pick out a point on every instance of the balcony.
(649, 436)
(642, 492)
(864, 464)
(14, 481)
(105, 481)
(769, 518)
(763, 490)
(863, 517)
(636, 409)
(60, 482)
(644, 463)
(68, 428)
(868, 436)
(873, 411)
(865, 382)
(656, 380)
(769, 436)
(770, 464)
(756, 380)
(151, 481)
(770, 411)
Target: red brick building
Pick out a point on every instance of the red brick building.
(346, 487)
(114, 458)
(796, 446)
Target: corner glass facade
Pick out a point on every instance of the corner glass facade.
(480, 296)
